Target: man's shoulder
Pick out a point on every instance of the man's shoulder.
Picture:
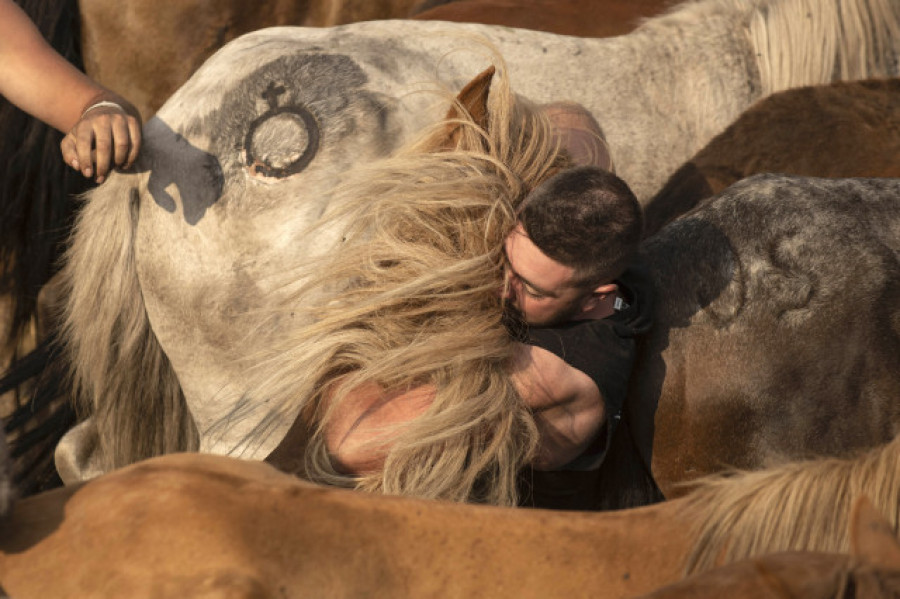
(637, 289)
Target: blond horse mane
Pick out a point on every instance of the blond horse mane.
(801, 506)
(846, 40)
(410, 296)
(121, 376)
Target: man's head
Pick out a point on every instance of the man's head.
(576, 233)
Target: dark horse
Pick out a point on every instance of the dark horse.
(35, 186)
(36, 213)
(777, 329)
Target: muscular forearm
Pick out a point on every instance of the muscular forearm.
(567, 406)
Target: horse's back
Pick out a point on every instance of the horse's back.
(844, 129)
(188, 524)
(567, 17)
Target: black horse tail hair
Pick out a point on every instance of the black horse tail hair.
(44, 412)
(36, 187)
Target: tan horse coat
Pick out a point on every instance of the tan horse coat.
(586, 18)
(194, 525)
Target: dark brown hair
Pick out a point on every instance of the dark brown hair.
(586, 218)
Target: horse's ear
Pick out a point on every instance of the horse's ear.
(871, 536)
(474, 99)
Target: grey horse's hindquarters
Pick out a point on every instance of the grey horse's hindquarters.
(778, 326)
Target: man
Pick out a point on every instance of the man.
(576, 233)
(567, 273)
(569, 279)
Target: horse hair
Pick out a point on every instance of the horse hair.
(422, 256)
(799, 506)
(121, 376)
(36, 210)
(847, 39)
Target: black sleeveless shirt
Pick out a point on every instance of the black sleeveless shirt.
(605, 350)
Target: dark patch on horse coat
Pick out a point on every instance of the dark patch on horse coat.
(328, 86)
(246, 132)
(428, 5)
(791, 286)
(33, 521)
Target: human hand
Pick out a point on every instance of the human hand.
(105, 136)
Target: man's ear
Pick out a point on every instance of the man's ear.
(605, 289)
(595, 301)
(473, 100)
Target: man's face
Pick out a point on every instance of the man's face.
(540, 287)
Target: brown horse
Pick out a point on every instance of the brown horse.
(191, 525)
(845, 129)
(776, 330)
(145, 52)
(585, 18)
(872, 570)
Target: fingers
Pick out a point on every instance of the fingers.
(102, 139)
(67, 147)
(134, 135)
(103, 154)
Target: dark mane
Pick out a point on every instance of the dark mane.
(36, 188)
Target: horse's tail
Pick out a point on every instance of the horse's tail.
(121, 375)
(6, 488)
(811, 42)
(801, 506)
(35, 185)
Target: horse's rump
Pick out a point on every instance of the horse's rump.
(779, 334)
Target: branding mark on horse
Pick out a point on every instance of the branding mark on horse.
(290, 150)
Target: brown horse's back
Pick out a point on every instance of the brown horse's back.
(846, 129)
(147, 51)
(191, 525)
(584, 18)
(196, 525)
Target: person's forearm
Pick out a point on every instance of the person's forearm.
(37, 79)
(360, 434)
